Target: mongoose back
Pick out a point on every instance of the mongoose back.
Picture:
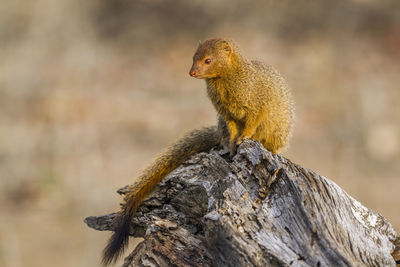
(252, 101)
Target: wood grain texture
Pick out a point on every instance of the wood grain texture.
(257, 209)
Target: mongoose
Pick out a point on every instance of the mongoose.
(252, 101)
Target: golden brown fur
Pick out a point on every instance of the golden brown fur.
(251, 97)
(252, 101)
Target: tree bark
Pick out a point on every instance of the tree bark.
(256, 209)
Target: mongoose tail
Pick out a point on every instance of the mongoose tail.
(194, 142)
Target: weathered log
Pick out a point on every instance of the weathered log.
(257, 209)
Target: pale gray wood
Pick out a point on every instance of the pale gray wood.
(257, 209)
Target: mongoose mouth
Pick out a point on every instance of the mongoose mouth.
(201, 77)
(197, 75)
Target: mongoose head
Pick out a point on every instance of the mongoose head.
(212, 58)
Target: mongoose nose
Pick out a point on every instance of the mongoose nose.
(192, 73)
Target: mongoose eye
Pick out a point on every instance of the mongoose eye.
(207, 61)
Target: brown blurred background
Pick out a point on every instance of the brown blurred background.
(91, 91)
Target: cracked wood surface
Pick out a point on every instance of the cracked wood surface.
(257, 209)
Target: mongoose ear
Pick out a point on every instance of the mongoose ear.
(226, 46)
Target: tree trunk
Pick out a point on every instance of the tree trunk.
(257, 209)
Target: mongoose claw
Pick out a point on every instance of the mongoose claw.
(241, 139)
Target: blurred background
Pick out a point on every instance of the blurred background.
(92, 91)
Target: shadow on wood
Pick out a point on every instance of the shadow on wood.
(257, 209)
